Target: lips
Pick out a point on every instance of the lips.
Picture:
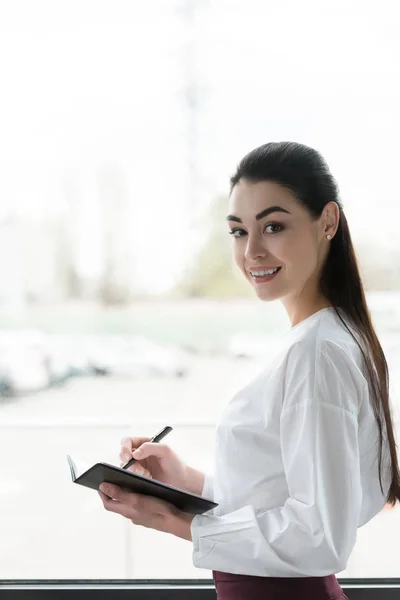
(260, 269)
(264, 279)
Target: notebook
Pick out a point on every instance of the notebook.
(92, 477)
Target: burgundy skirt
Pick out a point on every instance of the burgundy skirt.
(249, 587)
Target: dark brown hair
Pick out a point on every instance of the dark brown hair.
(304, 171)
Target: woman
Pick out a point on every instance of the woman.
(305, 454)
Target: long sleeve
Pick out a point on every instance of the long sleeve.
(208, 487)
(314, 531)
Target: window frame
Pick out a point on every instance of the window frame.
(165, 589)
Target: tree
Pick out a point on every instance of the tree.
(67, 241)
(115, 284)
(212, 273)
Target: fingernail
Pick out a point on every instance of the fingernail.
(103, 488)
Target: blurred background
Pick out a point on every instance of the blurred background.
(120, 312)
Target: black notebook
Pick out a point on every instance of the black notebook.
(94, 476)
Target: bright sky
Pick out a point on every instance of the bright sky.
(94, 84)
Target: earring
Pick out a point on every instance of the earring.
(328, 237)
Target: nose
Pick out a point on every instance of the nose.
(254, 248)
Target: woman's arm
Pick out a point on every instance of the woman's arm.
(314, 532)
(155, 513)
(199, 483)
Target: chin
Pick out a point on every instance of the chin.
(267, 297)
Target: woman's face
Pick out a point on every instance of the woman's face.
(271, 229)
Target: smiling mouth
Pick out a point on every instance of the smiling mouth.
(264, 272)
(264, 276)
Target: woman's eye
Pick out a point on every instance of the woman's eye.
(236, 233)
(280, 228)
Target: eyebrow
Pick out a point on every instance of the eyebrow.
(264, 213)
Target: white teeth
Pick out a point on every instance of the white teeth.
(263, 273)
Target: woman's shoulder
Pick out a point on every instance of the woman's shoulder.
(328, 338)
(323, 349)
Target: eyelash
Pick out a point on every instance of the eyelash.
(269, 225)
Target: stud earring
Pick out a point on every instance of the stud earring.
(328, 237)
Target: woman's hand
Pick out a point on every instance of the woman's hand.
(146, 511)
(160, 462)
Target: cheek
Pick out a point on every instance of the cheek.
(238, 254)
(303, 257)
(296, 253)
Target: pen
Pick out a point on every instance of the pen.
(159, 436)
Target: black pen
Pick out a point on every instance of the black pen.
(159, 436)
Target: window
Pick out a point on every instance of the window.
(119, 310)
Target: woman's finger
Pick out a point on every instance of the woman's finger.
(129, 445)
(139, 470)
(125, 456)
(121, 507)
(136, 468)
(133, 442)
(152, 449)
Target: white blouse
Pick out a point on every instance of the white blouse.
(296, 461)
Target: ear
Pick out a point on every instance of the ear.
(330, 218)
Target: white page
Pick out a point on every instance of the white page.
(77, 466)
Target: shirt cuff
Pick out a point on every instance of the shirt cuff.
(197, 528)
(208, 487)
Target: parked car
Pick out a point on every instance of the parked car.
(70, 354)
(23, 364)
(6, 388)
(31, 360)
(136, 356)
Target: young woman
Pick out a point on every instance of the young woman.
(306, 453)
